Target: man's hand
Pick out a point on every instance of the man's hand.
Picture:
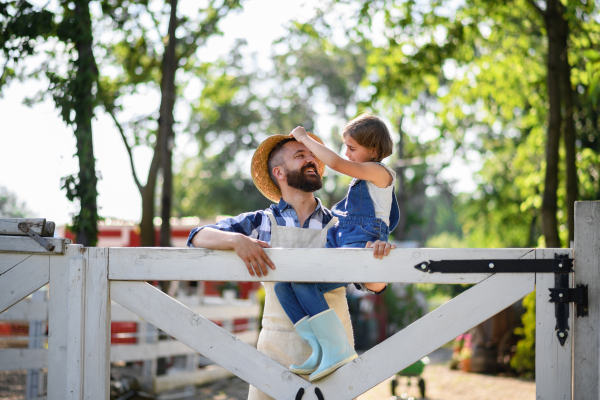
(380, 249)
(252, 253)
(299, 133)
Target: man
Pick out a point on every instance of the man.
(286, 172)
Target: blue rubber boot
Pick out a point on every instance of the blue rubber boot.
(335, 346)
(308, 337)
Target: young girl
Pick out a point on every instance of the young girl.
(368, 213)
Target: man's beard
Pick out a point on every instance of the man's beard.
(307, 183)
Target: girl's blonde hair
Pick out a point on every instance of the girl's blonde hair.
(371, 132)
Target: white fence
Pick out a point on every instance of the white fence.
(84, 280)
(148, 348)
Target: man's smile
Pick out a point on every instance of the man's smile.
(310, 170)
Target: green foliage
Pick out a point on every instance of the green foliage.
(11, 206)
(524, 360)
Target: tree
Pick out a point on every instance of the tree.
(153, 65)
(11, 206)
(73, 84)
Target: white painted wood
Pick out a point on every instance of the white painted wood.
(37, 330)
(76, 326)
(552, 361)
(19, 359)
(586, 331)
(149, 367)
(9, 260)
(209, 311)
(318, 265)
(10, 226)
(25, 244)
(423, 336)
(164, 348)
(206, 338)
(57, 322)
(96, 368)
(23, 279)
(199, 377)
(26, 310)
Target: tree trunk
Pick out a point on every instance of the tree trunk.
(568, 97)
(399, 232)
(148, 237)
(552, 19)
(166, 126)
(86, 223)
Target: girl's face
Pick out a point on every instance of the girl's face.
(357, 153)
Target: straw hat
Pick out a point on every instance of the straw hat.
(260, 170)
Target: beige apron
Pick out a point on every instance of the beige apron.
(278, 339)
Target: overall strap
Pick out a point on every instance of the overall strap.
(273, 220)
(331, 223)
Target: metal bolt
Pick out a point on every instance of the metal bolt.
(423, 266)
(560, 265)
(560, 295)
(561, 334)
(491, 265)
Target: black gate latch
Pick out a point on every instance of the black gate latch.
(562, 295)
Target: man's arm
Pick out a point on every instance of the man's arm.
(248, 249)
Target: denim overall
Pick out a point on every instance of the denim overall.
(357, 222)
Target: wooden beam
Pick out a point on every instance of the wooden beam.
(10, 226)
(76, 326)
(586, 336)
(430, 332)
(164, 348)
(318, 265)
(206, 338)
(552, 361)
(25, 244)
(18, 359)
(8, 261)
(96, 367)
(23, 279)
(26, 310)
(212, 312)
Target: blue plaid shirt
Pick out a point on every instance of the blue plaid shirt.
(257, 224)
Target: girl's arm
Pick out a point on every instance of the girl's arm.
(372, 172)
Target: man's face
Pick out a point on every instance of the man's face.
(300, 168)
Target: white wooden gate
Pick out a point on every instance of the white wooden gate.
(83, 280)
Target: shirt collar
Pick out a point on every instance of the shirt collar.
(283, 205)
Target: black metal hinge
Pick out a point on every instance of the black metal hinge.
(559, 265)
(562, 295)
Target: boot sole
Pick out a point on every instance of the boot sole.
(329, 370)
(302, 371)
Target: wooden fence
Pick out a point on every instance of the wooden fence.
(84, 280)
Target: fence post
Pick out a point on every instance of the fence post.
(586, 349)
(35, 377)
(96, 360)
(552, 361)
(58, 317)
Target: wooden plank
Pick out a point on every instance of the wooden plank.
(202, 376)
(26, 310)
(10, 226)
(96, 368)
(8, 261)
(164, 348)
(586, 336)
(58, 342)
(23, 279)
(25, 244)
(423, 336)
(552, 361)
(206, 338)
(212, 312)
(318, 265)
(18, 359)
(76, 326)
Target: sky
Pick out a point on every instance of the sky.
(37, 148)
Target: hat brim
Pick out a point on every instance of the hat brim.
(260, 169)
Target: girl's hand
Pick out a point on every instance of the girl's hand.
(380, 249)
(299, 133)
